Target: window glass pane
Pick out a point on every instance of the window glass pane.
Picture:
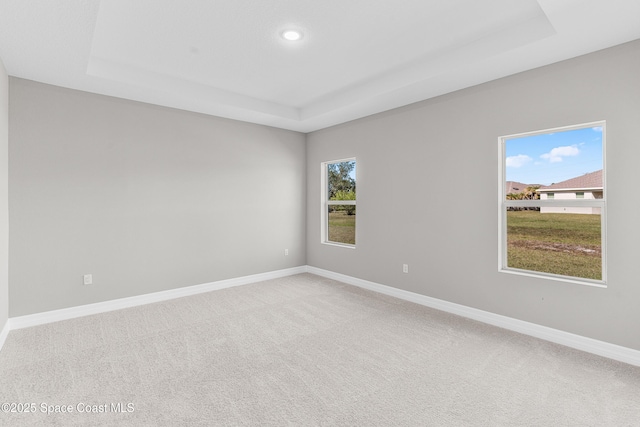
(341, 180)
(556, 240)
(555, 237)
(341, 225)
(554, 165)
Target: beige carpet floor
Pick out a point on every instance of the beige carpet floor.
(303, 351)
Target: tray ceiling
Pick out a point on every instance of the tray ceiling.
(356, 57)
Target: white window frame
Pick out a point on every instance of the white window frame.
(325, 203)
(503, 204)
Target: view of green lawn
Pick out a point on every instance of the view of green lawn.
(342, 227)
(557, 243)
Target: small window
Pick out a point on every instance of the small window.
(339, 202)
(559, 231)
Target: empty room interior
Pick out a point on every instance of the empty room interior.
(182, 241)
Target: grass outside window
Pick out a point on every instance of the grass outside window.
(342, 224)
(555, 243)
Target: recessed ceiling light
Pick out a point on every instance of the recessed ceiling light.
(291, 35)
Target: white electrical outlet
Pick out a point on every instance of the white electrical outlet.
(286, 252)
(88, 279)
(405, 268)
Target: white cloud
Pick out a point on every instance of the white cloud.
(597, 129)
(556, 154)
(517, 161)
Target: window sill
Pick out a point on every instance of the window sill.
(548, 276)
(341, 245)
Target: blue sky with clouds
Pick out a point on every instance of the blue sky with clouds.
(553, 157)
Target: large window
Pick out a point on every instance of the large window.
(339, 202)
(554, 226)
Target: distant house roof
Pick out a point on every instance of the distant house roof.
(517, 187)
(588, 181)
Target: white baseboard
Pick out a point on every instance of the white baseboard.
(102, 307)
(4, 333)
(601, 348)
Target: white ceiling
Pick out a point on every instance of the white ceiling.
(357, 57)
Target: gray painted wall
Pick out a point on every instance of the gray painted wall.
(144, 198)
(427, 194)
(148, 198)
(4, 200)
